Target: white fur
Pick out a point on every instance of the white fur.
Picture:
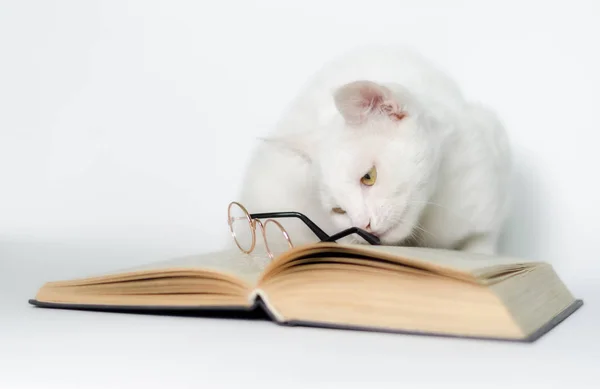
(443, 170)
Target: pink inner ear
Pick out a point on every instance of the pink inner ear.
(370, 98)
(357, 100)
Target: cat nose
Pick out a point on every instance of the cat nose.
(368, 227)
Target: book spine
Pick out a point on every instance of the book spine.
(261, 298)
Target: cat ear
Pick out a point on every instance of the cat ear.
(358, 100)
(302, 144)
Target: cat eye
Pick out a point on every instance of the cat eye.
(338, 210)
(370, 177)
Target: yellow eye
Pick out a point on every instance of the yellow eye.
(338, 210)
(369, 178)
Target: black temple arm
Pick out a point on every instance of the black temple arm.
(322, 235)
(372, 239)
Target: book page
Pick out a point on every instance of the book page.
(439, 260)
(247, 267)
(459, 260)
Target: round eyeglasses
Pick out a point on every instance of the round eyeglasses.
(242, 225)
(243, 230)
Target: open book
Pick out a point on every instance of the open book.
(378, 288)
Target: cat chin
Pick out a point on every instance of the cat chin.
(390, 235)
(395, 235)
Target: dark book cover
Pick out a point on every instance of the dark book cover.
(260, 311)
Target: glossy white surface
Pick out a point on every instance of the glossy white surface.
(41, 348)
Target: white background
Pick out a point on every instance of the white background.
(124, 127)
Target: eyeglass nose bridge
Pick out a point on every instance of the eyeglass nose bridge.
(254, 222)
(263, 232)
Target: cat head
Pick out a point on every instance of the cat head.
(375, 163)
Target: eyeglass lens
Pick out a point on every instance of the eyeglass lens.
(277, 239)
(241, 227)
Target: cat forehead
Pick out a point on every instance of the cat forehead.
(352, 152)
(354, 145)
(371, 134)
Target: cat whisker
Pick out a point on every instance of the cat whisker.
(416, 238)
(419, 228)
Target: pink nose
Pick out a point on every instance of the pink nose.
(368, 227)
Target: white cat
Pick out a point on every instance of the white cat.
(382, 140)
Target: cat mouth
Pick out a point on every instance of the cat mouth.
(381, 233)
(391, 234)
